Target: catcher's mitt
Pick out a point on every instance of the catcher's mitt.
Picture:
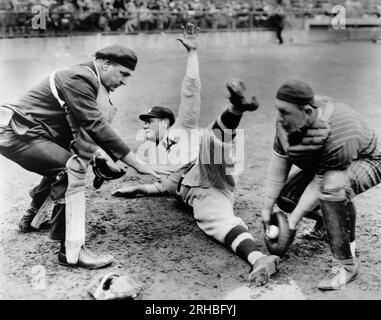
(237, 97)
(281, 243)
(114, 287)
(104, 172)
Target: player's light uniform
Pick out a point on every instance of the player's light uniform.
(203, 177)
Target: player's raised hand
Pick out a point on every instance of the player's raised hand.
(189, 39)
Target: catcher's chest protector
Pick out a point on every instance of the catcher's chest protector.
(309, 160)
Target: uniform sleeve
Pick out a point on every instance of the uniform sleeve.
(79, 94)
(155, 188)
(190, 103)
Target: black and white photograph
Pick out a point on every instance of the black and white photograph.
(213, 151)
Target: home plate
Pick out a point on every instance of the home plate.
(272, 291)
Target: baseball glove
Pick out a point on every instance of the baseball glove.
(237, 96)
(104, 172)
(114, 287)
(281, 243)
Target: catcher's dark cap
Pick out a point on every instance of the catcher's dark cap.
(119, 54)
(159, 112)
(297, 92)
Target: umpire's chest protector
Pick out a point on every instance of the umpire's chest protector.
(82, 144)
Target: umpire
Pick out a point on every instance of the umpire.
(339, 156)
(55, 130)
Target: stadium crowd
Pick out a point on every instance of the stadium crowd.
(150, 15)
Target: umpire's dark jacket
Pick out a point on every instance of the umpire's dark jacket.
(78, 88)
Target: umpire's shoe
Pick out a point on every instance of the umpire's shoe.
(263, 268)
(87, 259)
(26, 220)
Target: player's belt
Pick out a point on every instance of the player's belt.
(182, 177)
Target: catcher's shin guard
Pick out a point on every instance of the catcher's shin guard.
(339, 220)
(352, 221)
(336, 215)
(75, 208)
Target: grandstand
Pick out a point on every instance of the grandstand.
(65, 17)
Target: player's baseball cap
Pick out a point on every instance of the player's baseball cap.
(159, 112)
(297, 92)
(119, 54)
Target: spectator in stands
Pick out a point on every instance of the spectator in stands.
(132, 16)
(66, 16)
(144, 15)
(242, 14)
(119, 4)
(6, 5)
(207, 19)
(353, 8)
(163, 19)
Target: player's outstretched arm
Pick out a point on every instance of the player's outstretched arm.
(137, 191)
(190, 101)
(190, 42)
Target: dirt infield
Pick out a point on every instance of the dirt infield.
(156, 239)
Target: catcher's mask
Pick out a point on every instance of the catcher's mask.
(115, 287)
(102, 173)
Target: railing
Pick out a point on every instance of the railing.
(53, 22)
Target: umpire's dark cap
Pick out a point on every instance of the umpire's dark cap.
(119, 54)
(297, 92)
(159, 112)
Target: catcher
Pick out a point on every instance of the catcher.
(197, 178)
(55, 130)
(339, 157)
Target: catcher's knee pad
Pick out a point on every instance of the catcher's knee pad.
(333, 186)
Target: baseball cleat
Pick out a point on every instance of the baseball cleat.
(339, 277)
(263, 268)
(87, 259)
(26, 220)
(237, 97)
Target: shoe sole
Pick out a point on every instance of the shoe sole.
(81, 266)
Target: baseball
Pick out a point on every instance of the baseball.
(272, 232)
